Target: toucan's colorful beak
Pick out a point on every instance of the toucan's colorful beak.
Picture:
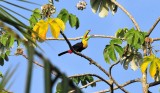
(86, 34)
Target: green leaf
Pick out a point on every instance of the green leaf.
(72, 20)
(76, 80)
(135, 38)
(105, 54)
(115, 41)
(7, 52)
(119, 49)
(11, 41)
(6, 58)
(59, 88)
(4, 40)
(77, 23)
(1, 61)
(1, 75)
(121, 33)
(112, 53)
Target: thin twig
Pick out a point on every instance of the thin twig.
(129, 15)
(110, 69)
(95, 75)
(123, 85)
(154, 25)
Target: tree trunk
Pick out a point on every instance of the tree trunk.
(144, 82)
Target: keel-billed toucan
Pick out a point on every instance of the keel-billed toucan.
(79, 46)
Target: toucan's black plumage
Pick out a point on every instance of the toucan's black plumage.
(79, 46)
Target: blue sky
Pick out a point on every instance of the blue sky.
(144, 11)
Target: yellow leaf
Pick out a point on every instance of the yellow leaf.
(43, 30)
(55, 29)
(60, 23)
(146, 61)
(144, 65)
(157, 60)
(153, 69)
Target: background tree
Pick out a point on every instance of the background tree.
(129, 47)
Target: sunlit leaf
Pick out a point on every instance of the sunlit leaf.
(60, 23)
(152, 69)
(55, 29)
(145, 63)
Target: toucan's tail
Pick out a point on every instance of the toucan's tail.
(62, 53)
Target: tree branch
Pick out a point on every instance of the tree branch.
(80, 37)
(86, 57)
(54, 73)
(154, 83)
(95, 75)
(129, 15)
(90, 83)
(92, 62)
(154, 25)
(123, 85)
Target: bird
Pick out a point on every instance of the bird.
(78, 47)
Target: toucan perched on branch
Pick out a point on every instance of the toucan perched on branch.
(79, 46)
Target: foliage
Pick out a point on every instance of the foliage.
(84, 80)
(41, 28)
(65, 16)
(154, 65)
(136, 41)
(135, 38)
(103, 6)
(111, 49)
(6, 43)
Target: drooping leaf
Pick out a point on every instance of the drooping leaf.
(119, 49)
(146, 61)
(105, 54)
(103, 7)
(1, 61)
(153, 69)
(11, 41)
(63, 15)
(60, 23)
(72, 20)
(95, 5)
(112, 53)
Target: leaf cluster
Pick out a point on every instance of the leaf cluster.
(6, 43)
(103, 7)
(65, 16)
(111, 50)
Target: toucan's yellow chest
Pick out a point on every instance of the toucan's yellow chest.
(85, 43)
